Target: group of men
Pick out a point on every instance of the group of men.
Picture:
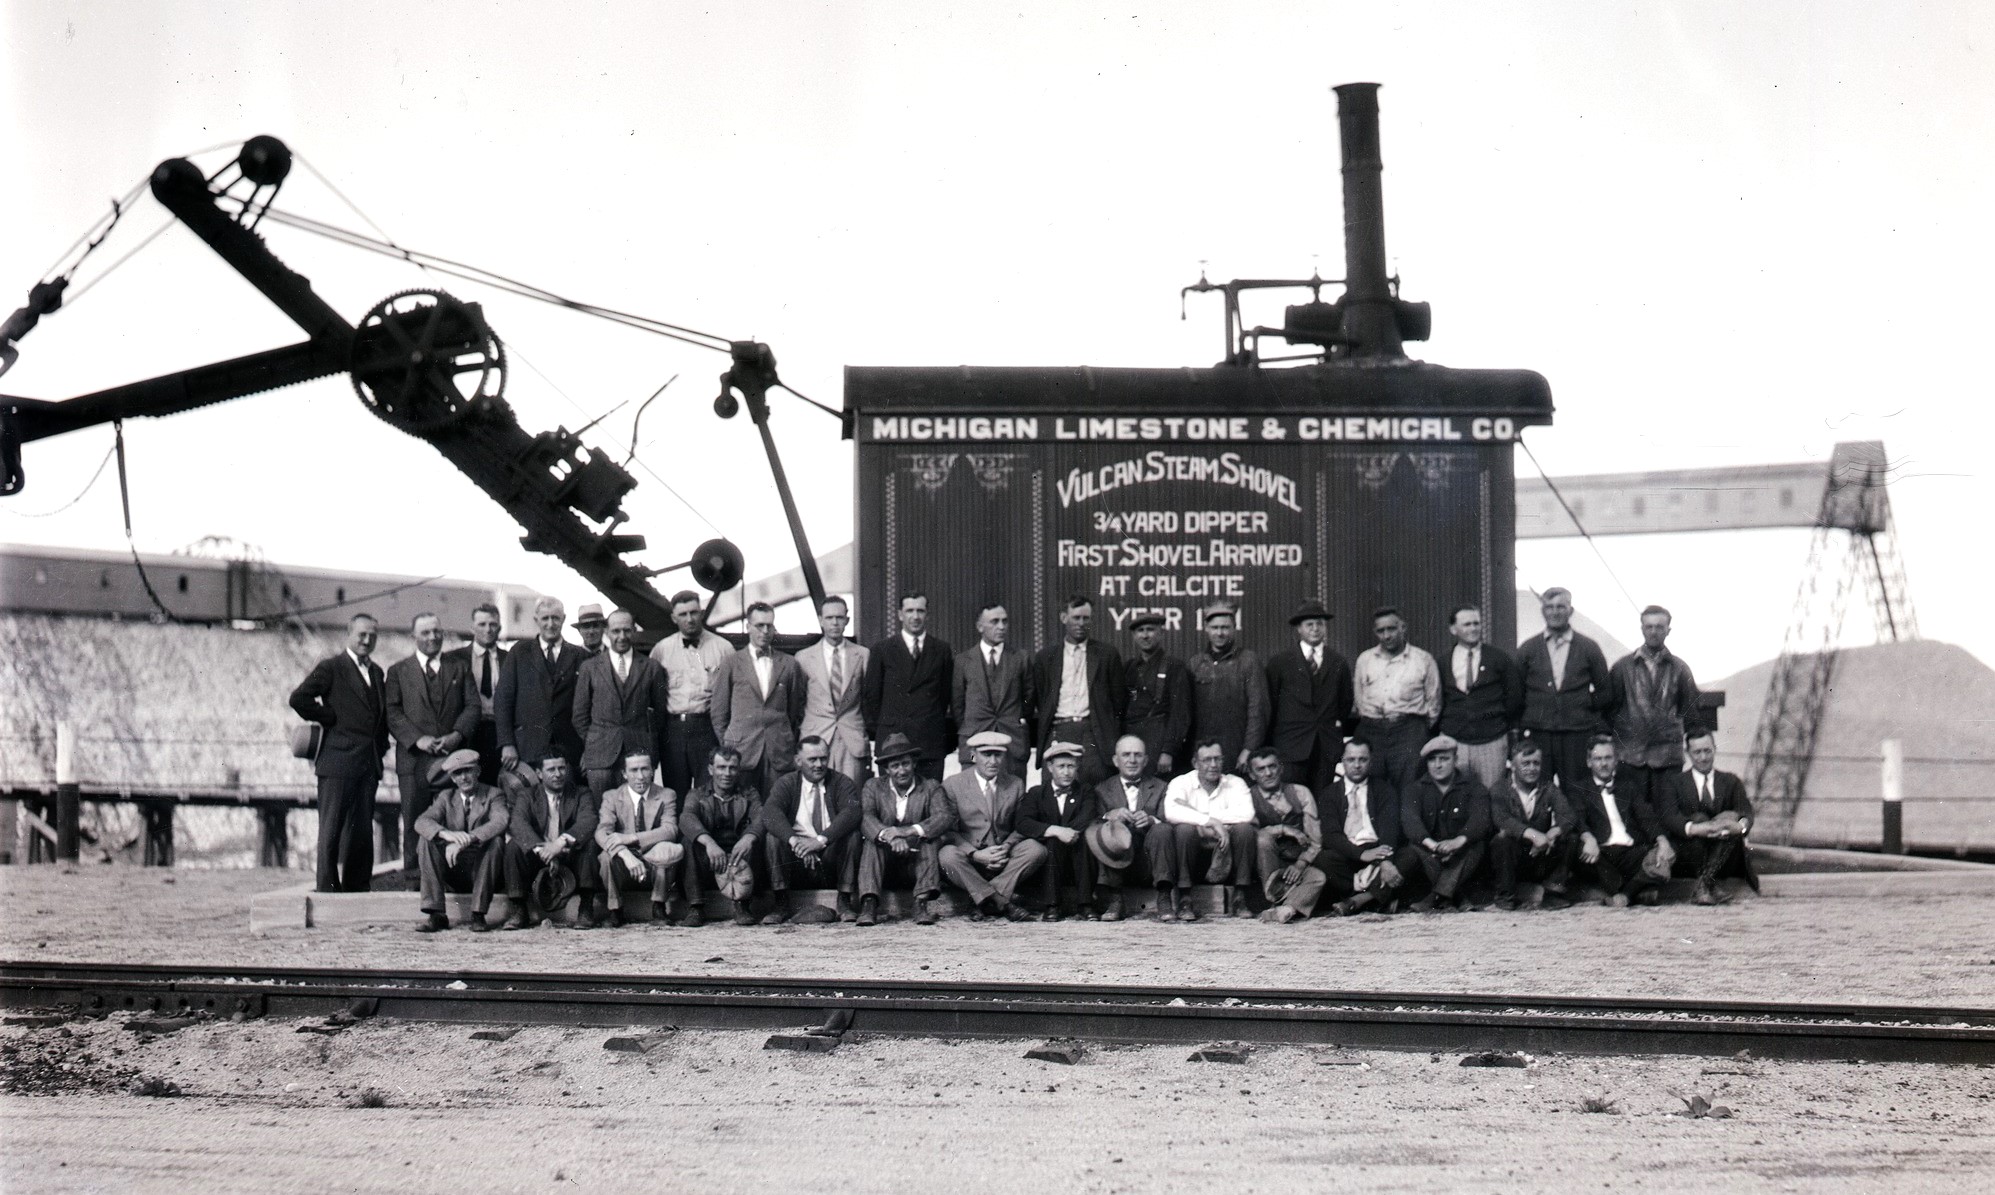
(1302, 784)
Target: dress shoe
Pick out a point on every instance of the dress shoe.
(1350, 905)
(1703, 895)
(1556, 900)
(1048, 915)
(1113, 910)
(616, 918)
(1087, 915)
(478, 925)
(1507, 904)
(924, 912)
(1720, 896)
(868, 912)
(1188, 908)
(845, 912)
(1649, 896)
(1167, 905)
(1240, 904)
(774, 917)
(695, 917)
(436, 923)
(1464, 905)
(587, 917)
(1424, 905)
(742, 916)
(1013, 913)
(517, 918)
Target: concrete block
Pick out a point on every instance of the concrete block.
(809, 1043)
(637, 1043)
(494, 1035)
(1066, 1053)
(1225, 1051)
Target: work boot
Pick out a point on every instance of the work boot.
(1052, 913)
(1011, 911)
(774, 916)
(1167, 904)
(587, 915)
(1649, 896)
(517, 918)
(1555, 900)
(1351, 905)
(436, 923)
(1186, 904)
(868, 911)
(1240, 904)
(924, 912)
(845, 907)
(1703, 895)
(478, 925)
(1424, 905)
(695, 916)
(616, 917)
(1112, 906)
(661, 912)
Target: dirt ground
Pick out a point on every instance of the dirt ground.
(267, 1108)
(1913, 950)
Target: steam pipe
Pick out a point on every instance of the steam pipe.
(1370, 325)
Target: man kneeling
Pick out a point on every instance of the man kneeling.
(1536, 831)
(459, 833)
(1288, 840)
(986, 854)
(637, 836)
(810, 829)
(552, 825)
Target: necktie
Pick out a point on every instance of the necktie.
(817, 821)
(429, 668)
(553, 649)
(837, 674)
(1315, 659)
(366, 681)
(485, 673)
(622, 661)
(917, 647)
(1704, 790)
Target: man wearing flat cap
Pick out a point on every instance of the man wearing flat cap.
(460, 848)
(1212, 828)
(1159, 709)
(1309, 698)
(637, 839)
(985, 853)
(1229, 702)
(551, 824)
(721, 825)
(1130, 840)
(810, 830)
(591, 626)
(1056, 814)
(903, 818)
(1446, 821)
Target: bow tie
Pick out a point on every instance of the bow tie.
(691, 643)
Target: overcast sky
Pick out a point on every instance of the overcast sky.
(1725, 233)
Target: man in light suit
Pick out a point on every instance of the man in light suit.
(986, 854)
(758, 703)
(343, 694)
(833, 671)
(484, 658)
(637, 839)
(460, 841)
(903, 819)
(620, 699)
(534, 706)
(1080, 690)
(909, 676)
(990, 692)
(432, 711)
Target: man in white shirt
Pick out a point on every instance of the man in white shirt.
(1397, 687)
(1143, 849)
(990, 690)
(1212, 829)
(690, 659)
(1617, 831)
(1081, 691)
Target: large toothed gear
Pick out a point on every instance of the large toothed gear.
(424, 360)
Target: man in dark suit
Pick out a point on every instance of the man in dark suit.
(1362, 832)
(1159, 687)
(1056, 813)
(343, 694)
(1482, 696)
(1566, 689)
(1617, 830)
(909, 678)
(484, 659)
(535, 702)
(1709, 817)
(758, 703)
(1078, 686)
(552, 823)
(1134, 799)
(1309, 697)
(1536, 831)
(620, 697)
(991, 692)
(810, 831)
(1446, 821)
(903, 820)
(460, 834)
(432, 711)
(985, 853)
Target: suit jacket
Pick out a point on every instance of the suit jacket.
(1039, 810)
(841, 801)
(418, 707)
(614, 718)
(1309, 711)
(761, 728)
(1333, 805)
(1551, 810)
(1495, 698)
(484, 816)
(1587, 802)
(927, 806)
(1159, 709)
(618, 815)
(354, 713)
(498, 668)
(1108, 694)
(1149, 796)
(1002, 701)
(1427, 812)
(1576, 704)
(980, 823)
(835, 719)
(528, 826)
(901, 693)
(534, 706)
(1682, 807)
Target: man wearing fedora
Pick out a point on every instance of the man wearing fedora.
(1159, 685)
(1362, 832)
(551, 841)
(721, 825)
(620, 700)
(1078, 685)
(342, 693)
(985, 853)
(591, 625)
(1446, 821)
(1130, 839)
(903, 818)
(810, 830)
(1288, 839)
(1212, 827)
(1309, 698)
(432, 711)
(992, 691)
(637, 840)
(1055, 814)
(460, 841)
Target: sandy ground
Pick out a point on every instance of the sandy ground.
(269, 1109)
(1915, 950)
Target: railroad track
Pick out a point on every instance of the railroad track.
(1358, 1020)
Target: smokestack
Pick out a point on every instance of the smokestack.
(1371, 326)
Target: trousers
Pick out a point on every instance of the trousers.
(1194, 854)
(837, 865)
(1068, 865)
(1514, 860)
(661, 866)
(476, 867)
(920, 868)
(1446, 877)
(1275, 853)
(983, 883)
(1155, 861)
(346, 832)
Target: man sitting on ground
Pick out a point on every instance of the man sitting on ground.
(903, 819)
(1141, 847)
(459, 834)
(1618, 833)
(810, 828)
(1212, 825)
(1288, 840)
(721, 825)
(1446, 820)
(552, 824)
(1362, 831)
(1055, 815)
(1711, 816)
(1536, 831)
(637, 839)
(986, 854)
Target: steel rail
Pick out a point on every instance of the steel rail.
(1380, 1020)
